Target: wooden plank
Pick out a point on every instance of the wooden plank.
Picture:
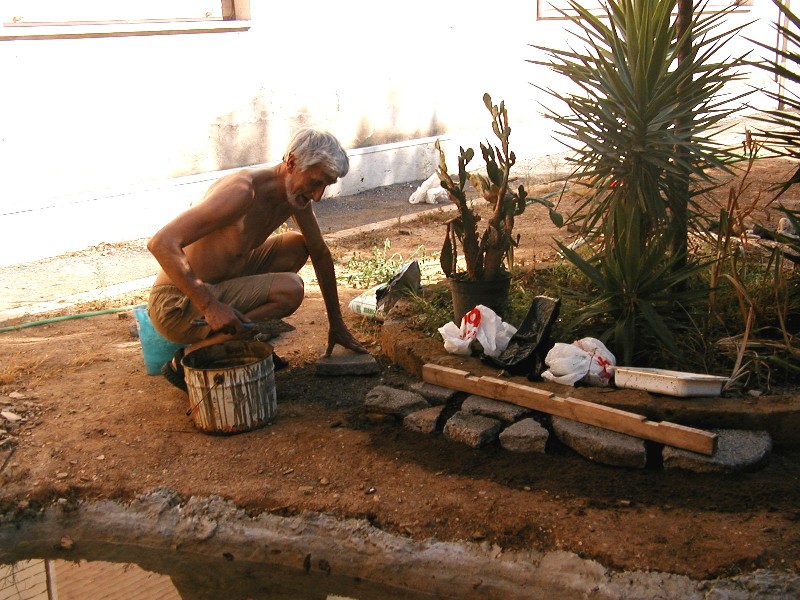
(583, 411)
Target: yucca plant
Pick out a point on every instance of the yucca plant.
(640, 127)
(633, 292)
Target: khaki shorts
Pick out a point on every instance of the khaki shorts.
(172, 313)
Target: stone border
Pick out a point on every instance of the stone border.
(477, 421)
(777, 415)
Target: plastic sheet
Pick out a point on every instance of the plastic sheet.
(482, 325)
(527, 348)
(585, 360)
(430, 191)
(377, 301)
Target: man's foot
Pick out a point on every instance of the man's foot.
(173, 371)
(271, 328)
(278, 363)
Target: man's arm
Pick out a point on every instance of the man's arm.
(326, 277)
(226, 201)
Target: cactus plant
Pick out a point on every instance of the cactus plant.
(488, 255)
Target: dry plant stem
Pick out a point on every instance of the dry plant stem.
(737, 371)
(18, 368)
(741, 296)
(783, 308)
(738, 216)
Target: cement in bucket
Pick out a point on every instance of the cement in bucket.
(231, 387)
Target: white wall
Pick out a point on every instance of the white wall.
(106, 138)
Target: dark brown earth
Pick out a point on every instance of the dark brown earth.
(95, 426)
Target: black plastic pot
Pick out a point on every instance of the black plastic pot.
(469, 294)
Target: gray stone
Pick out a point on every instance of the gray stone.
(390, 401)
(601, 445)
(423, 421)
(472, 430)
(434, 394)
(496, 409)
(347, 362)
(737, 451)
(526, 435)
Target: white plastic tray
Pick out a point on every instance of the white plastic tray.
(672, 383)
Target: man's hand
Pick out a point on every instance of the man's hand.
(339, 334)
(222, 318)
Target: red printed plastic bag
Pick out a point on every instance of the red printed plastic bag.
(586, 360)
(481, 324)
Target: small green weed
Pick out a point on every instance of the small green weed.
(379, 267)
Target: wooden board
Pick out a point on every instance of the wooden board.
(583, 411)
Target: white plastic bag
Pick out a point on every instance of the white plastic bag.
(586, 360)
(435, 194)
(367, 304)
(378, 300)
(430, 191)
(481, 324)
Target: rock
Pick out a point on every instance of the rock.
(386, 400)
(496, 409)
(601, 445)
(66, 543)
(472, 430)
(423, 421)
(10, 416)
(737, 451)
(526, 435)
(434, 394)
(347, 362)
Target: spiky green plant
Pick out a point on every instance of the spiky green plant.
(634, 290)
(639, 126)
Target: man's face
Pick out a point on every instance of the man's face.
(303, 187)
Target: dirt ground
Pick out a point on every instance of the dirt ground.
(94, 426)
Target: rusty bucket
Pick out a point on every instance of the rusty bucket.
(231, 387)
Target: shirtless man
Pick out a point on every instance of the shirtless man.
(220, 264)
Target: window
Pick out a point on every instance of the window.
(84, 12)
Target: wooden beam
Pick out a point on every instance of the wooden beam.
(582, 411)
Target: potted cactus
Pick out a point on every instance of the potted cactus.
(487, 248)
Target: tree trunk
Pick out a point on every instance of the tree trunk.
(679, 190)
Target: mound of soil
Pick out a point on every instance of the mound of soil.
(93, 425)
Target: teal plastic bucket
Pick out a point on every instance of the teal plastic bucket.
(156, 349)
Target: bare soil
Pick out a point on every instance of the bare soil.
(95, 426)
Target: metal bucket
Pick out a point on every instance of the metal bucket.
(231, 387)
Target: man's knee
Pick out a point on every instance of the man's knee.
(295, 249)
(290, 291)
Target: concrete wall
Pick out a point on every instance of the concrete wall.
(104, 138)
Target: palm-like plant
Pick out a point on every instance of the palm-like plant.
(635, 290)
(639, 126)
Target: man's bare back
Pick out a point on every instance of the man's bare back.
(262, 208)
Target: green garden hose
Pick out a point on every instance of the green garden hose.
(92, 313)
